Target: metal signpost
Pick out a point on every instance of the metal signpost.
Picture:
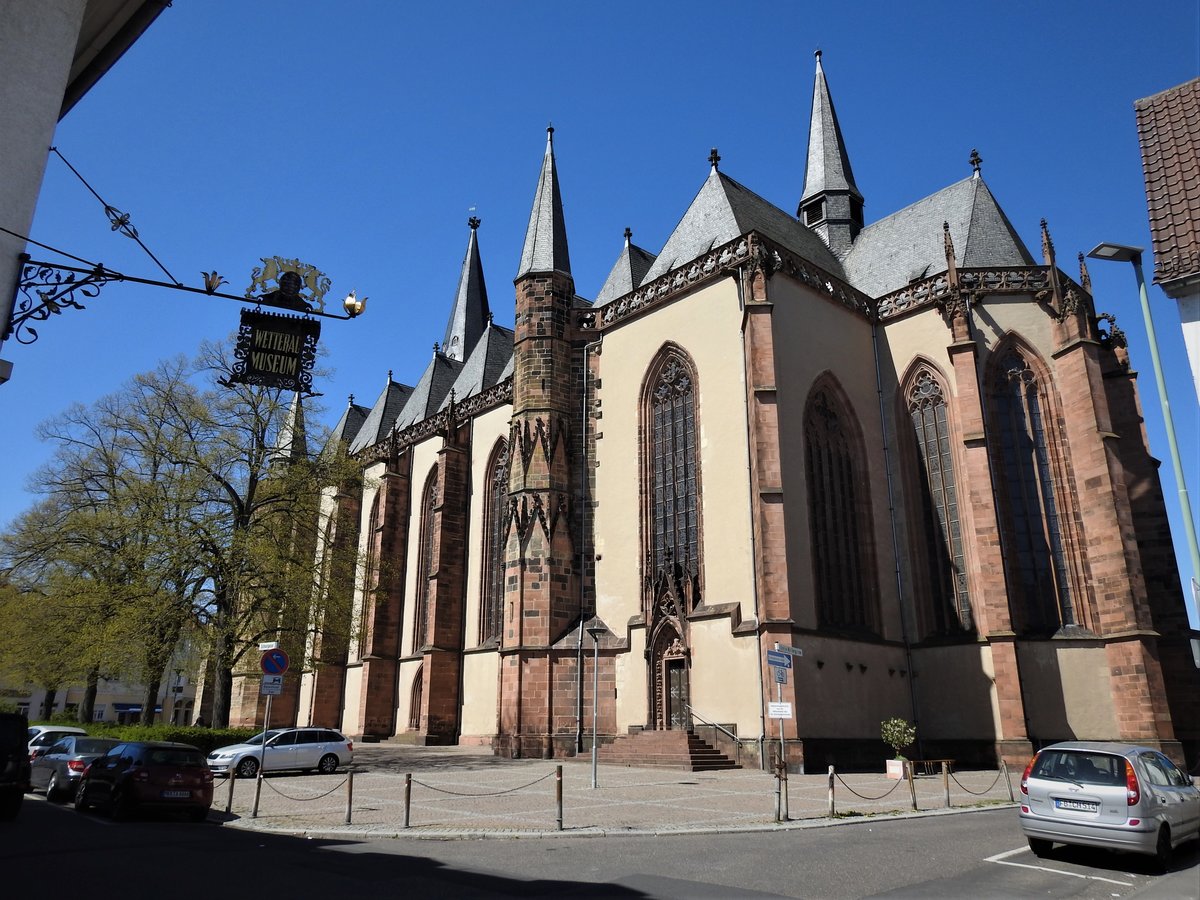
(274, 664)
(780, 659)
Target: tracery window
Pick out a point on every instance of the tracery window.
(674, 480)
(1034, 556)
(370, 578)
(842, 555)
(495, 535)
(940, 533)
(425, 564)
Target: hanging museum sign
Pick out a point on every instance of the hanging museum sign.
(275, 350)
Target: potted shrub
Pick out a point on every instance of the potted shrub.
(897, 733)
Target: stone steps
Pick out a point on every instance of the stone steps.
(665, 750)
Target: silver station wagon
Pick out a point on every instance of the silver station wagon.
(306, 749)
(1118, 796)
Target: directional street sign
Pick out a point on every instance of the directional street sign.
(790, 651)
(779, 659)
(272, 685)
(274, 662)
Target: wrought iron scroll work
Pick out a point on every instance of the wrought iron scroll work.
(46, 290)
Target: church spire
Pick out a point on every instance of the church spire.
(291, 444)
(546, 237)
(470, 314)
(831, 204)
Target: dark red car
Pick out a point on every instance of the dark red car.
(148, 775)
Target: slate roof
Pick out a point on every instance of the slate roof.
(347, 426)
(827, 165)
(1169, 133)
(627, 272)
(545, 248)
(491, 355)
(909, 244)
(469, 315)
(426, 398)
(382, 417)
(724, 209)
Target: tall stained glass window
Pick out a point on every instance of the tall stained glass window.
(425, 565)
(495, 534)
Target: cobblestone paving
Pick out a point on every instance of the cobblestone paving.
(462, 792)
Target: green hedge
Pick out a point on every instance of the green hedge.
(207, 739)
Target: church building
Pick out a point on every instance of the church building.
(906, 450)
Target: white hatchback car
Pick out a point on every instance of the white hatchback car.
(322, 749)
(42, 737)
(1119, 796)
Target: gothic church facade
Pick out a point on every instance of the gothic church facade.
(907, 448)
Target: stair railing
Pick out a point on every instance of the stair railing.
(737, 741)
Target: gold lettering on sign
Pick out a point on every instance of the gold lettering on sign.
(277, 341)
(275, 363)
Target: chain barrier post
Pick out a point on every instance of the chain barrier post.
(831, 808)
(912, 784)
(1007, 780)
(558, 793)
(778, 793)
(349, 794)
(407, 796)
(229, 796)
(946, 781)
(783, 772)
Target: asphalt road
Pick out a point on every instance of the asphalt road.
(52, 850)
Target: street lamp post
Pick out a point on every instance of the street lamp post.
(1133, 255)
(595, 631)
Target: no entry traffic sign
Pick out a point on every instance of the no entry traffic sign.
(274, 662)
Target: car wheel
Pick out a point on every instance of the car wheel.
(247, 768)
(328, 764)
(54, 791)
(1040, 847)
(1162, 849)
(81, 797)
(198, 814)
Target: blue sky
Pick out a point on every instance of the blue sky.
(359, 137)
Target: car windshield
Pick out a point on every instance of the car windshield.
(258, 738)
(1080, 767)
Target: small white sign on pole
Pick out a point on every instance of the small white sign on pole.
(779, 710)
(272, 685)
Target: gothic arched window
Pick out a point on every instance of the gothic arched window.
(941, 575)
(839, 515)
(425, 563)
(673, 478)
(495, 536)
(370, 577)
(1031, 524)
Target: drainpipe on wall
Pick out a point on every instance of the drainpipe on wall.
(739, 283)
(583, 519)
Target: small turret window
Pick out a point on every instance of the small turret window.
(814, 212)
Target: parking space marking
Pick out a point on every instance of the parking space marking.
(1001, 859)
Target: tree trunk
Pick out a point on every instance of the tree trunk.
(87, 706)
(48, 703)
(149, 701)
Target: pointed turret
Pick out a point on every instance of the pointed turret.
(831, 204)
(469, 317)
(545, 247)
(291, 444)
(627, 273)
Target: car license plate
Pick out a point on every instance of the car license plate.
(176, 795)
(1077, 805)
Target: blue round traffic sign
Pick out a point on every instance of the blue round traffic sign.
(274, 662)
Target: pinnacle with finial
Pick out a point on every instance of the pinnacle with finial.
(976, 161)
(474, 222)
(389, 376)
(1085, 278)
(628, 235)
(714, 158)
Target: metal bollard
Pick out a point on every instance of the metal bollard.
(1007, 781)
(558, 793)
(912, 784)
(229, 796)
(349, 794)
(832, 811)
(783, 774)
(407, 797)
(946, 781)
(257, 792)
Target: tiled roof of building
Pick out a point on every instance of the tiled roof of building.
(1169, 132)
(382, 416)
(347, 426)
(627, 272)
(469, 315)
(426, 398)
(545, 248)
(723, 210)
(483, 367)
(909, 244)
